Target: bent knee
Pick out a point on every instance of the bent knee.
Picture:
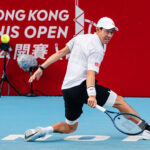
(72, 128)
(119, 102)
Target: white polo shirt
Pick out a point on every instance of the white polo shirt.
(86, 53)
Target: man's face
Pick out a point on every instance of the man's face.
(105, 35)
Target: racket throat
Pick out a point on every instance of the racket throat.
(142, 124)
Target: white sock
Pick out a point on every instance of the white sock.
(48, 129)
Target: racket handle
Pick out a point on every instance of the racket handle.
(100, 108)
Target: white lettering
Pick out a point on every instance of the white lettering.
(40, 13)
(52, 30)
(8, 30)
(20, 15)
(42, 30)
(31, 15)
(1, 14)
(64, 33)
(12, 31)
(15, 33)
(63, 15)
(9, 15)
(2, 30)
(30, 29)
(51, 14)
(34, 15)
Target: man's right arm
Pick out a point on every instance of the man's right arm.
(56, 56)
(53, 58)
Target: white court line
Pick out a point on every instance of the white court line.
(13, 137)
(44, 138)
(132, 138)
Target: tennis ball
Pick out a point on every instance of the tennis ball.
(5, 38)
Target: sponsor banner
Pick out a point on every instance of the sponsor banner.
(41, 28)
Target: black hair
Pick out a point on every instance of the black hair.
(100, 28)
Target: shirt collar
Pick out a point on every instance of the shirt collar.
(103, 45)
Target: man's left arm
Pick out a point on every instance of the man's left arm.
(90, 83)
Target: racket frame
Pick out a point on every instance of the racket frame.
(116, 115)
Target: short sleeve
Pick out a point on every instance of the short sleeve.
(70, 44)
(94, 60)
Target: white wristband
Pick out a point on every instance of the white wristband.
(91, 91)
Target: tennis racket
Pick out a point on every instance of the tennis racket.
(126, 123)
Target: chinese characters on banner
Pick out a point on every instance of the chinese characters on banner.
(38, 50)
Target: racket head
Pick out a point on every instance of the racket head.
(129, 123)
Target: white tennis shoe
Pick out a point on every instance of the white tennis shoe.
(146, 135)
(33, 134)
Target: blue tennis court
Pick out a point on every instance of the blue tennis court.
(95, 130)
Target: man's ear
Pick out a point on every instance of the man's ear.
(98, 29)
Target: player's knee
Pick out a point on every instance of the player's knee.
(72, 128)
(119, 102)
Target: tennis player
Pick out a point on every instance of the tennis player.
(79, 85)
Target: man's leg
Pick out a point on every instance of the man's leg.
(121, 104)
(61, 127)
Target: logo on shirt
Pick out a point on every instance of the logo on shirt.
(96, 64)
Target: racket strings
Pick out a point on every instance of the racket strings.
(129, 124)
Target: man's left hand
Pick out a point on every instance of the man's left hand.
(92, 102)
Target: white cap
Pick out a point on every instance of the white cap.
(106, 23)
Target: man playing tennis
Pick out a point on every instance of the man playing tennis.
(79, 86)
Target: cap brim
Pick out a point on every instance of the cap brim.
(113, 27)
(110, 27)
(116, 29)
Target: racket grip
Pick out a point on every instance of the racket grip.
(100, 108)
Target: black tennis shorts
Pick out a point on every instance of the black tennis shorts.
(76, 96)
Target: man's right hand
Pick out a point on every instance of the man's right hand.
(36, 75)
